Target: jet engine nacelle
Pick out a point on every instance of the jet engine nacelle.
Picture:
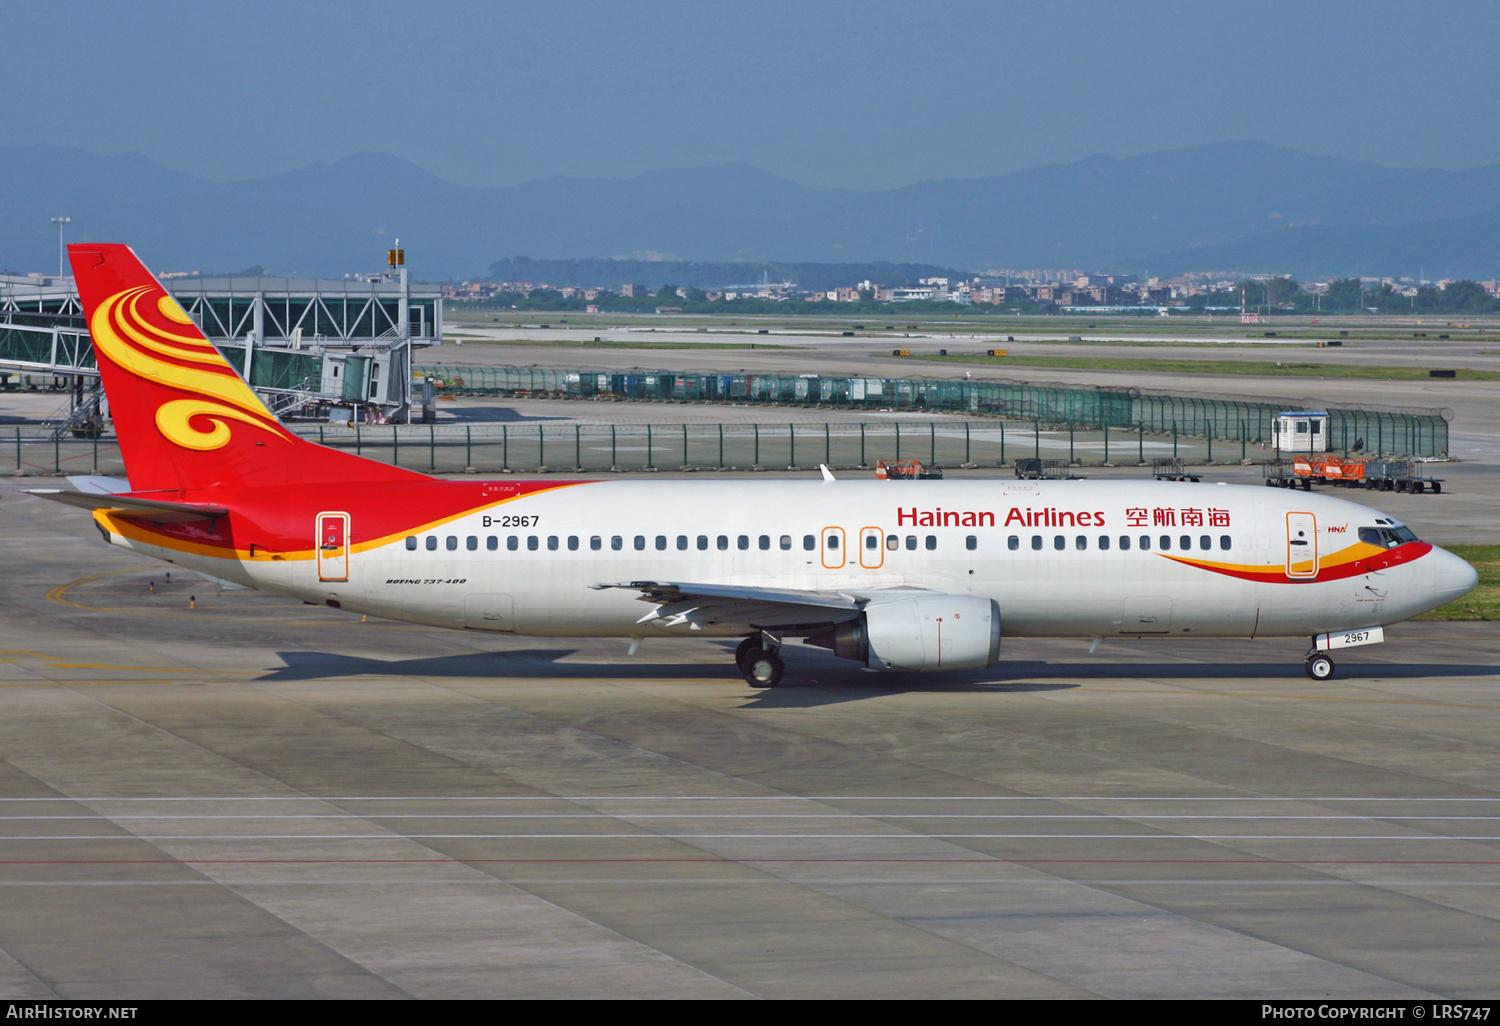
(923, 632)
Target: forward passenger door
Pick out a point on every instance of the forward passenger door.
(1301, 546)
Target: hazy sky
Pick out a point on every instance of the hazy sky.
(863, 94)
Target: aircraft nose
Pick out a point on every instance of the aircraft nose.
(1453, 578)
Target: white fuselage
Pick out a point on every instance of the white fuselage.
(1060, 558)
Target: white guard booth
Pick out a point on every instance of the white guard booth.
(1302, 431)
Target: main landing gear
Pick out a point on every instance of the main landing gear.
(758, 660)
(1319, 665)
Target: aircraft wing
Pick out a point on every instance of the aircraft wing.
(147, 509)
(693, 605)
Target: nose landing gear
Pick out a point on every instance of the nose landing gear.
(758, 660)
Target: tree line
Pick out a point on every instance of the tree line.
(1350, 295)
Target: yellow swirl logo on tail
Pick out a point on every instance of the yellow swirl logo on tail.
(174, 419)
(124, 335)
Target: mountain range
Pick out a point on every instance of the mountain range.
(1241, 206)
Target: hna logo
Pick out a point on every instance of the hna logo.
(1338, 530)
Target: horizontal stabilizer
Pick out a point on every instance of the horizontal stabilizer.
(95, 484)
(148, 509)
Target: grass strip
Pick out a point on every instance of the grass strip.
(1236, 367)
(1483, 603)
(583, 344)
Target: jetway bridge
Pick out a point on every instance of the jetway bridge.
(339, 348)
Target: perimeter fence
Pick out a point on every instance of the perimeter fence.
(993, 424)
(1397, 432)
(571, 447)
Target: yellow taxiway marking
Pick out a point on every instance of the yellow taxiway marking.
(499, 682)
(365, 678)
(56, 662)
(59, 593)
(146, 669)
(85, 683)
(1307, 698)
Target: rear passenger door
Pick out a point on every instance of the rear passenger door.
(332, 542)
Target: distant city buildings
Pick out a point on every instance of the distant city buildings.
(1054, 287)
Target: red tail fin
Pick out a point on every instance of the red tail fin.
(184, 418)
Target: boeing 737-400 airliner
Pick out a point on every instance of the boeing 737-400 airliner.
(892, 576)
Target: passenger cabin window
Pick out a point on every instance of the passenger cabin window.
(1187, 543)
(765, 542)
(911, 542)
(640, 543)
(833, 541)
(472, 543)
(596, 543)
(931, 542)
(411, 543)
(661, 543)
(742, 542)
(1059, 542)
(971, 543)
(1145, 542)
(1205, 542)
(1125, 543)
(809, 542)
(682, 542)
(492, 543)
(1036, 542)
(1166, 542)
(1225, 542)
(616, 543)
(512, 543)
(452, 543)
(572, 543)
(532, 542)
(872, 541)
(723, 542)
(703, 542)
(551, 543)
(1080, 543)
(1013, 543)
(786, 542)
(1104, 543)
(432, 543)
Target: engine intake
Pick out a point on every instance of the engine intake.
(923, 633)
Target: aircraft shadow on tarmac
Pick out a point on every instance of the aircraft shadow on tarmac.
(812, 678)
(816, 678)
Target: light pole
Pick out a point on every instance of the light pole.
(62, 253)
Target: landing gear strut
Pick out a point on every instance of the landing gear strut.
(1319, 666)
(758, 661)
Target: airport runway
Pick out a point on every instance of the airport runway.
(259, 798)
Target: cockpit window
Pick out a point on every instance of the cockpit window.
(1386, 537)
